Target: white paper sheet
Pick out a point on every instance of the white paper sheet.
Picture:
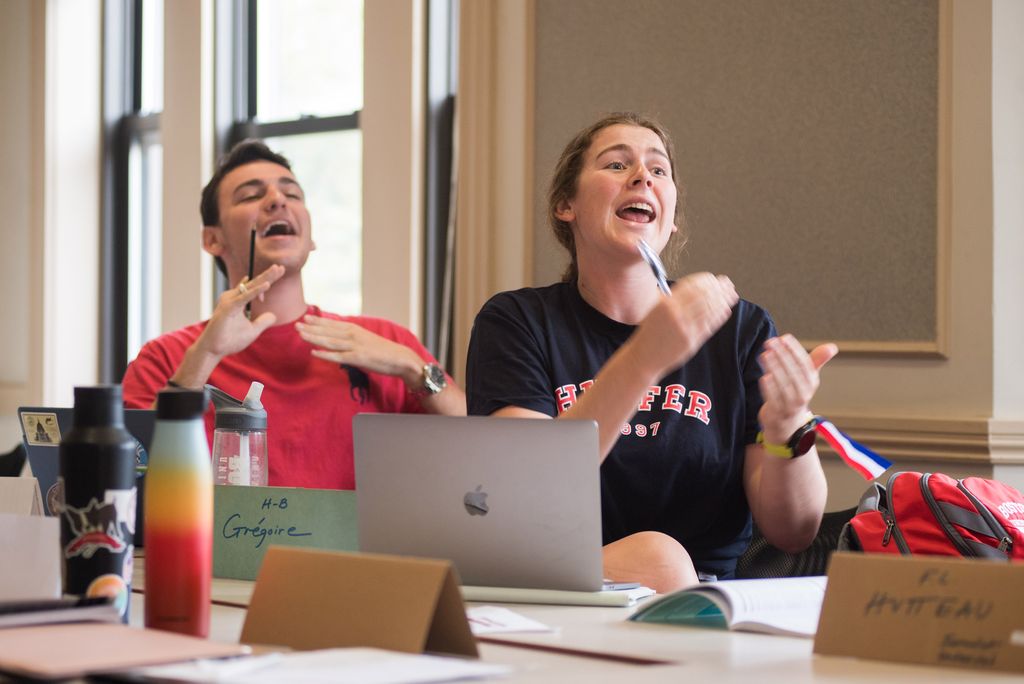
(31, 567)
(496, 620)
(336, 665)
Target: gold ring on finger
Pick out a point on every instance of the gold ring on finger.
(242, 289)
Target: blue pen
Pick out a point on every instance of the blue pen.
(652, 259)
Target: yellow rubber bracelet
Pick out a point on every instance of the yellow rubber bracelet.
(780, 450)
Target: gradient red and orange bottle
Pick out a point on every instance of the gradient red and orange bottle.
(179, 517)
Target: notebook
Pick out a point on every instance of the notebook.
(511, 502)
(42, 430)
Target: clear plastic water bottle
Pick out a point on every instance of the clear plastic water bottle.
(240, 438)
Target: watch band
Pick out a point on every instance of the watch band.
(779, 450)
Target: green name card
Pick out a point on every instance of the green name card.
(247, 520)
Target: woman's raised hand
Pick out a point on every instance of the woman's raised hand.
(680, 324)
(790, 380)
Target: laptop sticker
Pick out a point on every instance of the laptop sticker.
(41, 429)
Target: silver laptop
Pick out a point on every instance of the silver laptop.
(511, 502)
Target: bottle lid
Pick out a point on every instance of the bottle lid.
(98, 405)
(181, 404)
(233, 414)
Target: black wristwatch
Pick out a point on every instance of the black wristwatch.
(799, 443)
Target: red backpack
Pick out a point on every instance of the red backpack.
(934, 514)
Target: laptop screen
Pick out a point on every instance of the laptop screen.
(42, 430)
(511, 502)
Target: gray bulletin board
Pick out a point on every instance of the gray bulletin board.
(807, 138)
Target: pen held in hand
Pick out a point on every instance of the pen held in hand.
(252, 253)
(652, 259)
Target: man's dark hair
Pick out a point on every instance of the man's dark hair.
(245, 152)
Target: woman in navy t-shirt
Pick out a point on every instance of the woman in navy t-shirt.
(694, 435)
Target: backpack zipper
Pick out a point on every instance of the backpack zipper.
(1005, 540)
(940, 517)
(892, 530)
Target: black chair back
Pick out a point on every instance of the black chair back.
(761, 559)
(13, 461)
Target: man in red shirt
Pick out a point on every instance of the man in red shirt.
(318, 369)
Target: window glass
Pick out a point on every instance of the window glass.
(152, 96)
(145, 194)
(309, 58)
(329, 168)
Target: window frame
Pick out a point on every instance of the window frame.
(438, 247)
(125, 125)
(441, 75)
(243, 122)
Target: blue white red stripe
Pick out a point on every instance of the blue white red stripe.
(865, 461)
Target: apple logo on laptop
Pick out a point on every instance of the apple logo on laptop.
(476, 501)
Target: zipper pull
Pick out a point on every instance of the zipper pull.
(1004, 545)
(888, 532)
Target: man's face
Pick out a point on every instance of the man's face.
(265, 197)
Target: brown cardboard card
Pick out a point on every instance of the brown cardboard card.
(924, 609)
(309, 599)
(77, 649)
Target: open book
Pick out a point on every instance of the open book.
(788, 605)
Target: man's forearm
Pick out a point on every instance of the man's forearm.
(451, 401)
(196, 367)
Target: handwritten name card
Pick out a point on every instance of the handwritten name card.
(924, 609)
(248, 520)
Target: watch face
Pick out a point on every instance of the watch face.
(805, 441)
(433, 378)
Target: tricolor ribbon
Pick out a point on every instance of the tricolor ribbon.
(865, 461)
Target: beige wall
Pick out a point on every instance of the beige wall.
(393, 127)
(50, 188)
(187, 136)
(1008, 207)
(494, 141)
(19, 367)
(16, 187)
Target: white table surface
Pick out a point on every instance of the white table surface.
(594, 644)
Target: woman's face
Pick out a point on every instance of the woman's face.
(624, 192)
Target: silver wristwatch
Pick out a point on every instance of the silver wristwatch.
(434, 379)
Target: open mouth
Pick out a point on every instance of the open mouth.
(278, 228)
(638, 212)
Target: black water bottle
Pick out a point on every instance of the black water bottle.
(97, 520)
